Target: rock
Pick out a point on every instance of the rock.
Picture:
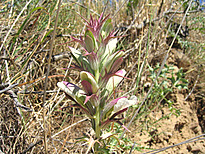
(167, 135)
(195, 147)
(195, 127)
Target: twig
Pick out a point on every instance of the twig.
(69, 127)
(7, 68)
(5, 58)
(25, 7)
(194, 139)
(4, 85)
(60, 57)
(17, 103)
(7, 88)
(182, 12)
(31, 146)
(132, 147)
(160, 8)
(47, 74)
(192, 88)
(119, 8)
(37, 92)
(12, 6)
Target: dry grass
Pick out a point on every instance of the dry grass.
(25, 46)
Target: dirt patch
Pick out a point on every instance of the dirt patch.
(173, 130)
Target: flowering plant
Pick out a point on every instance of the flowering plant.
(98, 63)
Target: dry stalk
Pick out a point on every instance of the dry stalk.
(5, 38)
(47, 74)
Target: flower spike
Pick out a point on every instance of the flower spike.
(100, 73)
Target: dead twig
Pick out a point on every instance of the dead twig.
(194, 139)
(7, 87)
(47, 74)
(37, 92)
(192, 88)
(31, 146)
(17, 103)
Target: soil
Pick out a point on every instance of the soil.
(175, 129)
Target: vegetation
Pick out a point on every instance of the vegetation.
(42, 42)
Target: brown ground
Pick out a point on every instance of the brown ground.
(175, 129)
(18, 136)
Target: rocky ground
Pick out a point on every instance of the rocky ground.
(175, 129)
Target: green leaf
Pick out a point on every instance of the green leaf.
(47, 34)
(89, 44)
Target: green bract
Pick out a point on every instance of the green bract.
(72, 90)
(88, 77)
(114, 81)
(110, 47)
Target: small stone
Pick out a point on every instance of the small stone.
(195, 127)
(195, 148)
(189, 147)
(168, 134)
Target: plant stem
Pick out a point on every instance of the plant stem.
(97, 75)
(46, 80)
(97, 123)
(97, 127)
